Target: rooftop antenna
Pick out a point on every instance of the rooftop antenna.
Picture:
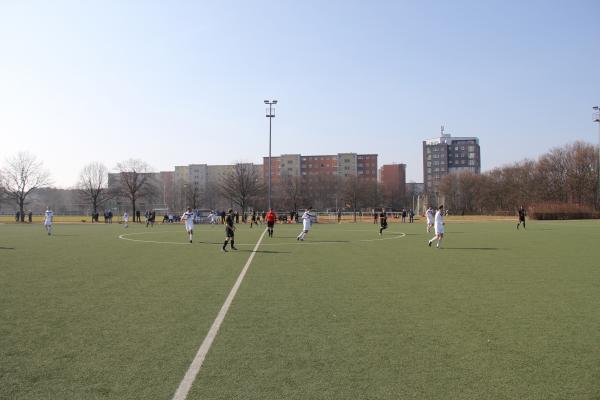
(442, 130)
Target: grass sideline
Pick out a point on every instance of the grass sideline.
(498, 313)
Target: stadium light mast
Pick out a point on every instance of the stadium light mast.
(270, 115)
(597, 120)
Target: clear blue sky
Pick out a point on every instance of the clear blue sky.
(175, 83)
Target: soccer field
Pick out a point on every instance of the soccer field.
(103, 312)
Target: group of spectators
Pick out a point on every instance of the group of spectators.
(21, 217)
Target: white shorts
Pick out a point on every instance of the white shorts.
(439, 230)
(429, 222)
(189, 226)
(47, 223)
(306, 226)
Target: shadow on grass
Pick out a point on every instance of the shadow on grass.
(472, 248)
(260, 251)
(7, 248)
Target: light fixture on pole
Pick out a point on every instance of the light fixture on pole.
(270, 114)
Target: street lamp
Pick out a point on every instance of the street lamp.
(270, 114)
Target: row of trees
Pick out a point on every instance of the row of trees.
(566, 175)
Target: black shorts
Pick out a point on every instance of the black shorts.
(229, 233)
(522, 219)
(270, 224)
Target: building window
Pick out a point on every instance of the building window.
(471, 148)
(429, 163)
(471, 162)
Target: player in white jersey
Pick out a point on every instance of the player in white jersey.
(188, 217)
(306, 223)
(212, 218)
(48, 215)
(439, 225)
(429, 215)
(126, 219)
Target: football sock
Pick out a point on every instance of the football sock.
(224, 244)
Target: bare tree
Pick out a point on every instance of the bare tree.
(355, 193)
(93, 185)
(22, 176)
(135, 180)
(192, 195)
(241, 185)
(291, 190)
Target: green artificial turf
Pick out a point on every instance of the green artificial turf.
(496, 314)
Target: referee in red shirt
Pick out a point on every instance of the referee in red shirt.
(270, 221)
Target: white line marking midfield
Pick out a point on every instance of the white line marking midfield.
(192, 372)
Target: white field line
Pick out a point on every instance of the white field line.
(192, 372)
(397, 235)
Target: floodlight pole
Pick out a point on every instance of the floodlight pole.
(597, 120)
(270, 115)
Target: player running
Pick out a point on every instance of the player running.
(439, 228)
(229, 231)
(188, 217)
(382, 221)
(270, 217)
(522, 214)
(429, 215)
(48, 216)
(306, 223)
(126, 219)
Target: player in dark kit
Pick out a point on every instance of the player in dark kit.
(522, 214)
(382, 221)
(229, 229)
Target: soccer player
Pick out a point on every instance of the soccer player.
(522, 214)
(270, 217)
(48, 215)
(382, 221)
(439, 228)
(188, 217)
(126, 219)
(253, 219)
(212, 218)
(429, 215)
(229, 231)
(306, 223)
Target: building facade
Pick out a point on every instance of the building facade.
(363, 166)
(446, 154)
(392, 178)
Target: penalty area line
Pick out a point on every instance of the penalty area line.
(192, 372)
